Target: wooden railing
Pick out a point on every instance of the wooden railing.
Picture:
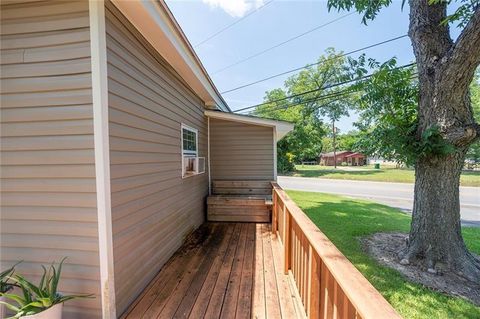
(327, 282)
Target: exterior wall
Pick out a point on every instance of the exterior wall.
(47, 153)
(241, 151)
(153, 208)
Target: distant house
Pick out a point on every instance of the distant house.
(343, 158)
(380, 160)
(356, 159)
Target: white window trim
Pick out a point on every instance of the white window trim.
(192, 129)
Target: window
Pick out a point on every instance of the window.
(189, 138)
(191, 163)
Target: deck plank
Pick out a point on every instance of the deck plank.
(171, 285)
(258, 302)
(233, 288)
(246, 285)
(159, 287)
(272, 300)
(235, 271)
(218, 295)
(203, 299)
(186, 304)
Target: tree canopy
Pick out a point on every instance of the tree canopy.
(309, 110)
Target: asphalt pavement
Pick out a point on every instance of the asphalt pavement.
(398, 195)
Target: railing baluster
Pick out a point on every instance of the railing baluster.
(313, 285)
(274, 212)
(286, 232)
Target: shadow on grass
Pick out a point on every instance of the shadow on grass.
(344, 220)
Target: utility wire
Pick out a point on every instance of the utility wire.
(316, 63)
(338, 94)
(319, 89)
(341, 93)
(232, 24)
(281, 43)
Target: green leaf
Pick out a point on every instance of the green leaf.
(36, 304)
(42, 280)
(19, 300)
(46, 302)
(9, 306)
(22, 281)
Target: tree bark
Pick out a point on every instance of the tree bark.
(444, 102)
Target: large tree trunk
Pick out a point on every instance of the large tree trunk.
(435, 235)
(445, 71)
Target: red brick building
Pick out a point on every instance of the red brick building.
(343, 158)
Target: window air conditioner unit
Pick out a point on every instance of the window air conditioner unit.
(200, 165)
(193, 165)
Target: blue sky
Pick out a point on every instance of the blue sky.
(272, 24)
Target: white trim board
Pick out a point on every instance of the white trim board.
(281, 127)
(98, 51)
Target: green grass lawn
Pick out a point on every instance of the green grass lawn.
(367, 173)
(343, 220)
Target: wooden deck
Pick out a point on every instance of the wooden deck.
(225, 270)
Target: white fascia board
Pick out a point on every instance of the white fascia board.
(155, 24)
(281, 127)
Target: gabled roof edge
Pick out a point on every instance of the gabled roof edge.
(281, 127)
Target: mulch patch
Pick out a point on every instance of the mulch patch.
(384, 248)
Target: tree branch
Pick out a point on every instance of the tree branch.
(462, 136)
(430, 38)
(464, 56)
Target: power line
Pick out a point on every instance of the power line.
(342, 93)
(280, 44)
(316, 63)
(232, 24)
(339, 94)
(319, 89)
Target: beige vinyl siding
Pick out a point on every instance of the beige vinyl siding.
(48, 177)
(240, 151)
(153, 208)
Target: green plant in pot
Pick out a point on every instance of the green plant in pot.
(42, 301)
(5, 286)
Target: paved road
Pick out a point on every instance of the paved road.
(397, 195)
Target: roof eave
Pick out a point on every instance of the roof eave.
(157, 24)
(281, 127)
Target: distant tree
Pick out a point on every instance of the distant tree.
(442, 124)
(307, 111)
(344, 141)
(388, 116)
(305, 142)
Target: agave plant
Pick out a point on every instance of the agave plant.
(5, 284)
(37, 298)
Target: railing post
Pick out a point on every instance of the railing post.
(274, 212)
(287, 239)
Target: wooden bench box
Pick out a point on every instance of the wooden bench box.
(240, 201)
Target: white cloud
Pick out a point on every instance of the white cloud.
(235, 8)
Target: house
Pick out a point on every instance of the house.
(371, 160)
(356, 159)
(112, 135)
(110, 124)
(343, 158)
